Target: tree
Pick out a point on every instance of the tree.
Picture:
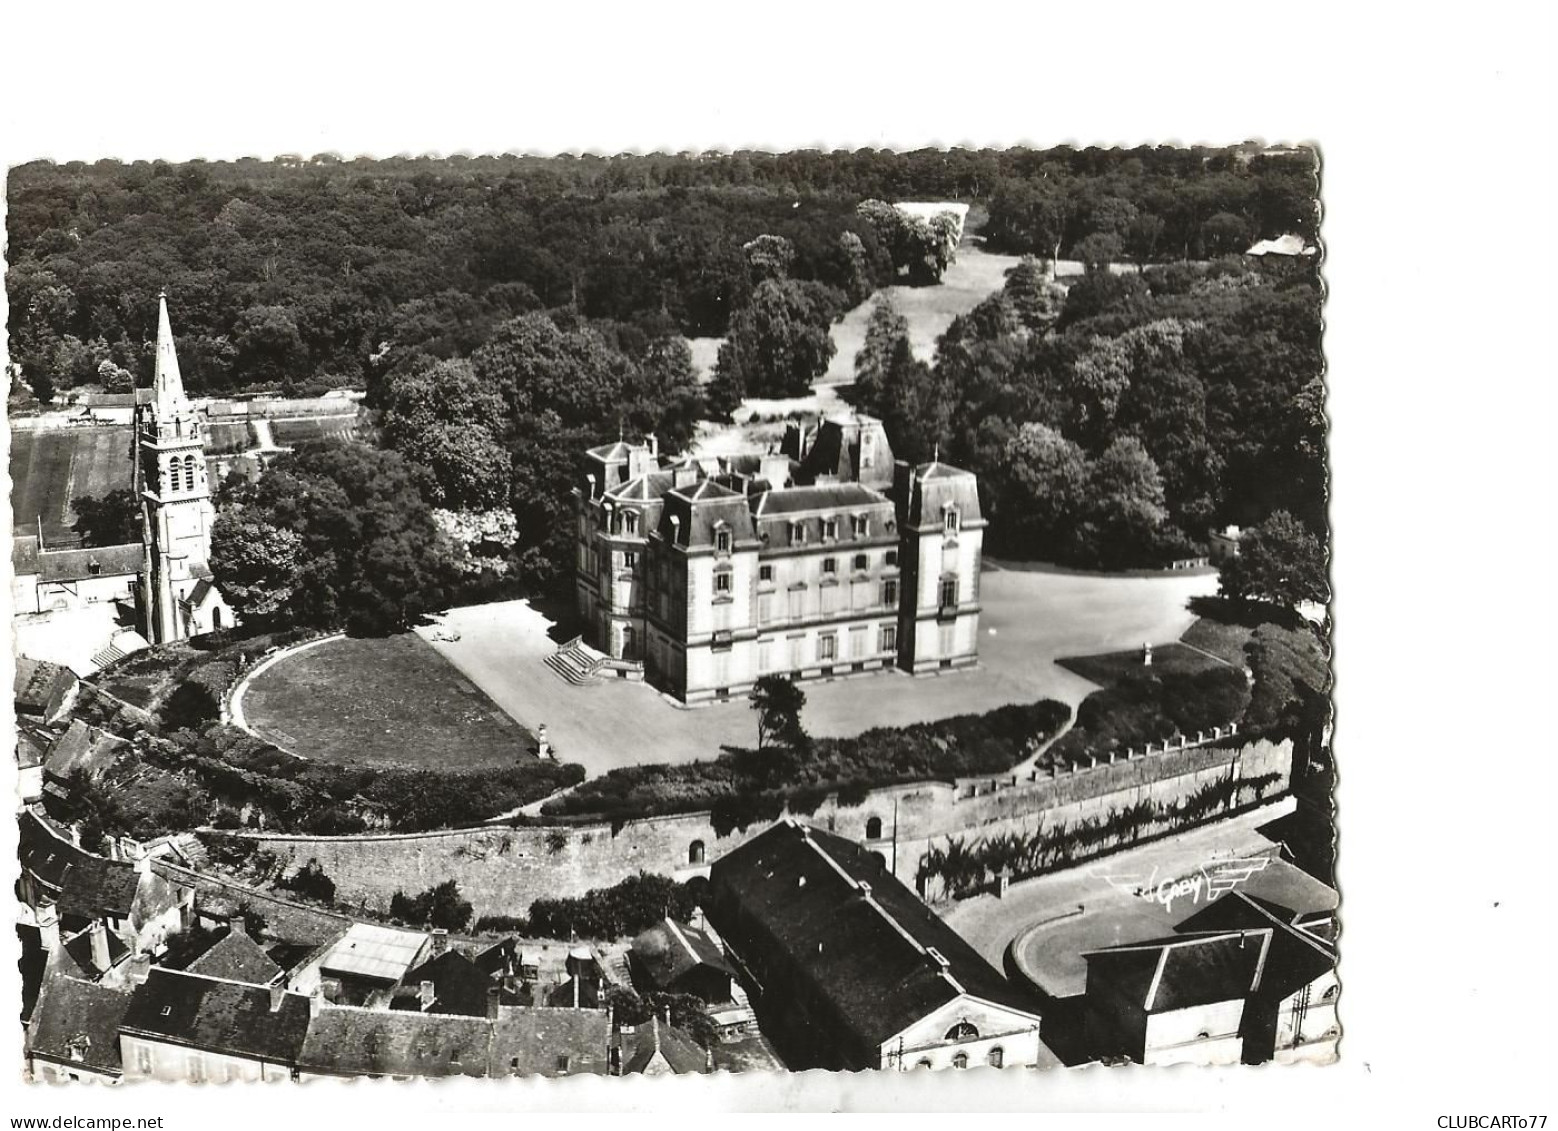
(258, 564)
(1099, 250)
(1048, 484)
(438, 906)
(770, 257)
(1125, 501)
(1034, 299)
(108, 520)
(778, 703)
(778, 345)
(1225, 234)
(885, 330)
(1279, 561)
(1141, 238)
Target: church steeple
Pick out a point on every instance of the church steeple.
(168, 385)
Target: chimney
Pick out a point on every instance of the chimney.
(440, 941)
(100, 945)
(494, 1002)
(75, 835)
(138, 969)
(236, 925)
(278, 995)
(316, 1002)
(865, 889)
(426, 995)
(654, 445)
(49, 927)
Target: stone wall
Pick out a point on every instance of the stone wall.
(502, 870)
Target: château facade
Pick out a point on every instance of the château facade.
(824, 559)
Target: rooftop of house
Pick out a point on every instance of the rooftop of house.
(93, 886)
(76, 955)
(27, 557)
(218, 1015)
(82, 747)
(817, 498)
(1303, 945)
(238, 958)
(459, 986)
(350, 1041)
(1184, 971)
(44, 852)
(681, 1053)
(382, 954)
(669, 949)
(78, 1021)
(546, 1041)
(871, 947)
(40, 685)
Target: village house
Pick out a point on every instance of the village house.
(1243, 980)
(196, 1029)
(73, 1033)
(43, 690)
(827, 558)
(849, 970)
(656, 1049)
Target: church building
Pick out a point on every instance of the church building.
(825, 558)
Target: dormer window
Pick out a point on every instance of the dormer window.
(949, 520)
(722, 541)
(830, 528)
(797, 534)
(862, 525)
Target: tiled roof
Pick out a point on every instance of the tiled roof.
(94, 886)
(82, 747)
(40, 685)
(670, 949)
(238, 958)
(217, 1015)
(78, 950)
(349, 1041)
(681, 1052)
(78, 565)
(460, 987)
(44, 853)
(532, 1042)
(1298, 955)
(869, 955)
(75, 1016)
(369, 951)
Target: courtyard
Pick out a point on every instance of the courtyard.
(1030, 619)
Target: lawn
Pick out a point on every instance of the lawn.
(1108, 669)
(382, 702)
(49, 468)
(1219, 638)
(227, 438)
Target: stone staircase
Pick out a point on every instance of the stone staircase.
(577, 662)
(108, 655)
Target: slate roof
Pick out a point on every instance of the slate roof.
(94, 886)
(350, 1041)
(77, 565)
(238, 958)
(1298, 955)
(209, 1013)
(670, 949)
(868, 954)
(938, 485)
(72, 1013)
(78, 953)
(40, 685)
(1186, 970)
(460, 987)
(82, 747)
(827, 497)
(681, 1052)
(43, 852)
(531, 1041)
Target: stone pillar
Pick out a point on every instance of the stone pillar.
(1146, 655)
(1002, 882)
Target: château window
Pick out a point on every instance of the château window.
(889, 637)
(862, 562)
(889, 592)
(827, 646)
(891, 560)
(950, 520)
(830, 565)
(765, 573)
(722, 541)
(830, 528)
(949, 593)
(722, 583)
(797, 533)
(862, 525)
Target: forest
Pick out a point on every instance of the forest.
(506, 313)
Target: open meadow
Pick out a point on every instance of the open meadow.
(51, 467)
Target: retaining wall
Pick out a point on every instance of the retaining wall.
(502, 870)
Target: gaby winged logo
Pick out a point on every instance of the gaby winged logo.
(1208, 883)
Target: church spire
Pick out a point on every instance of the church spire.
(168, 385)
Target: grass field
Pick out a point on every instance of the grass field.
(382, 702)
(1220, 639)
(287, 433)
(49, 468)
(1108, 669)
(225, 439)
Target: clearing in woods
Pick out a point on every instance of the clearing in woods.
(49, 468)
